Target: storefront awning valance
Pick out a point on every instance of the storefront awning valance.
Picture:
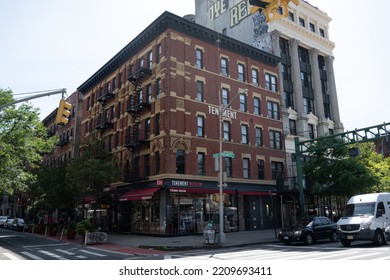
(256, 193)
(199, 190)
(139, 194)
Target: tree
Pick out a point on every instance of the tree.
(93, 170)
(22, 143)
(332, 172)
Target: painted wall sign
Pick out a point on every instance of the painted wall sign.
(237, 13)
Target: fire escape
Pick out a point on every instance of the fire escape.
(137, 135)
(104, 120)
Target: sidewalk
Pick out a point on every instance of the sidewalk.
(141, 244)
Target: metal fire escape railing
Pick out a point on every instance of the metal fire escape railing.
(136, 137)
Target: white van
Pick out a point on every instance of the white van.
(365, 217)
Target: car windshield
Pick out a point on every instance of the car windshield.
(359, 209)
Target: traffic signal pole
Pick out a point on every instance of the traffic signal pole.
(48, 93)
(357, 136)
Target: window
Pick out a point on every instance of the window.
(199, 59)
(275, 139)
(301, 22)
(306, 105)
(200, 125)
(241, 72)
(147, 129)
(157, 124)
(147, 165)
(255, 77)
(157, 162)
(180, 161)
(88, 103)
(159, 53)
(291, 16)
(199, 91)
(149, 93)
(150, 60)
(158, 88)
(256, 106)
(260, 169)
(225, 97)
(273, 110)
(259, 137)
(277, 170)
(228, 166)
(311, 131)
(293, 127)
(312, 27)
(270, 82)
(243, 102)
(246, 168)
(226, 131)
(322, 32)
(201, 163)
(244, 134)
(224, 66)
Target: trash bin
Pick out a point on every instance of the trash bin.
(209, 236)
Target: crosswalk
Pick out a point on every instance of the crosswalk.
(52, 254)
(276, 252)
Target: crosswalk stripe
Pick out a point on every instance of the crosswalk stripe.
(362, 256)
(92, 253)
(34, 257)
(11, 256)
(50, 254)
(65, 252)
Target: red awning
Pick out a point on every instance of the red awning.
(139, 194)
(89, 199)
(256, 193)
(199, 190)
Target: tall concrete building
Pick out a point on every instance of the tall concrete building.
(307, 80)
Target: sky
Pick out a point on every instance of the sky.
(47, 45)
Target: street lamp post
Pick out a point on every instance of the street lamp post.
(222, 109)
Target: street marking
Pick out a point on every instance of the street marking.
(11, 256)
(362, 256)
(34, 257)
(52, 255)
(167, 257)
(65, 252)
(93, 253)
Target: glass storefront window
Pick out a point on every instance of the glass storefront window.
(189, 213)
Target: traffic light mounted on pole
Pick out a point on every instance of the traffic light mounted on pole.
(270, 8)
(63, 112)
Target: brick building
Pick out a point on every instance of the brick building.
(156, 104)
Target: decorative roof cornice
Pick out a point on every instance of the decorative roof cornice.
(170, 21)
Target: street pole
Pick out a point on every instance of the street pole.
(222, 236)
(222, 109)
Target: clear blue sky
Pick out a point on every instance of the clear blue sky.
(48, 44)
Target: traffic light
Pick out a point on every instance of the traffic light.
(63, 112)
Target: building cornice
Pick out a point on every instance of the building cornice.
(170, 21)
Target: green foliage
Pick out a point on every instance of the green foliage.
(83, 226)
(333, 172)
(22, 143)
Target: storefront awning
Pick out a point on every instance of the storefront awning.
(199, 190)
(256, 193)
(89, 199)
(139, 194)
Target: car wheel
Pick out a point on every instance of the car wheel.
(309, 239)
(379, 239)
(334, 237)
(345, 242)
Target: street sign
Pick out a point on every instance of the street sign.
(224, 154)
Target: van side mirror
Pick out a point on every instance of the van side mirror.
(379, 213)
